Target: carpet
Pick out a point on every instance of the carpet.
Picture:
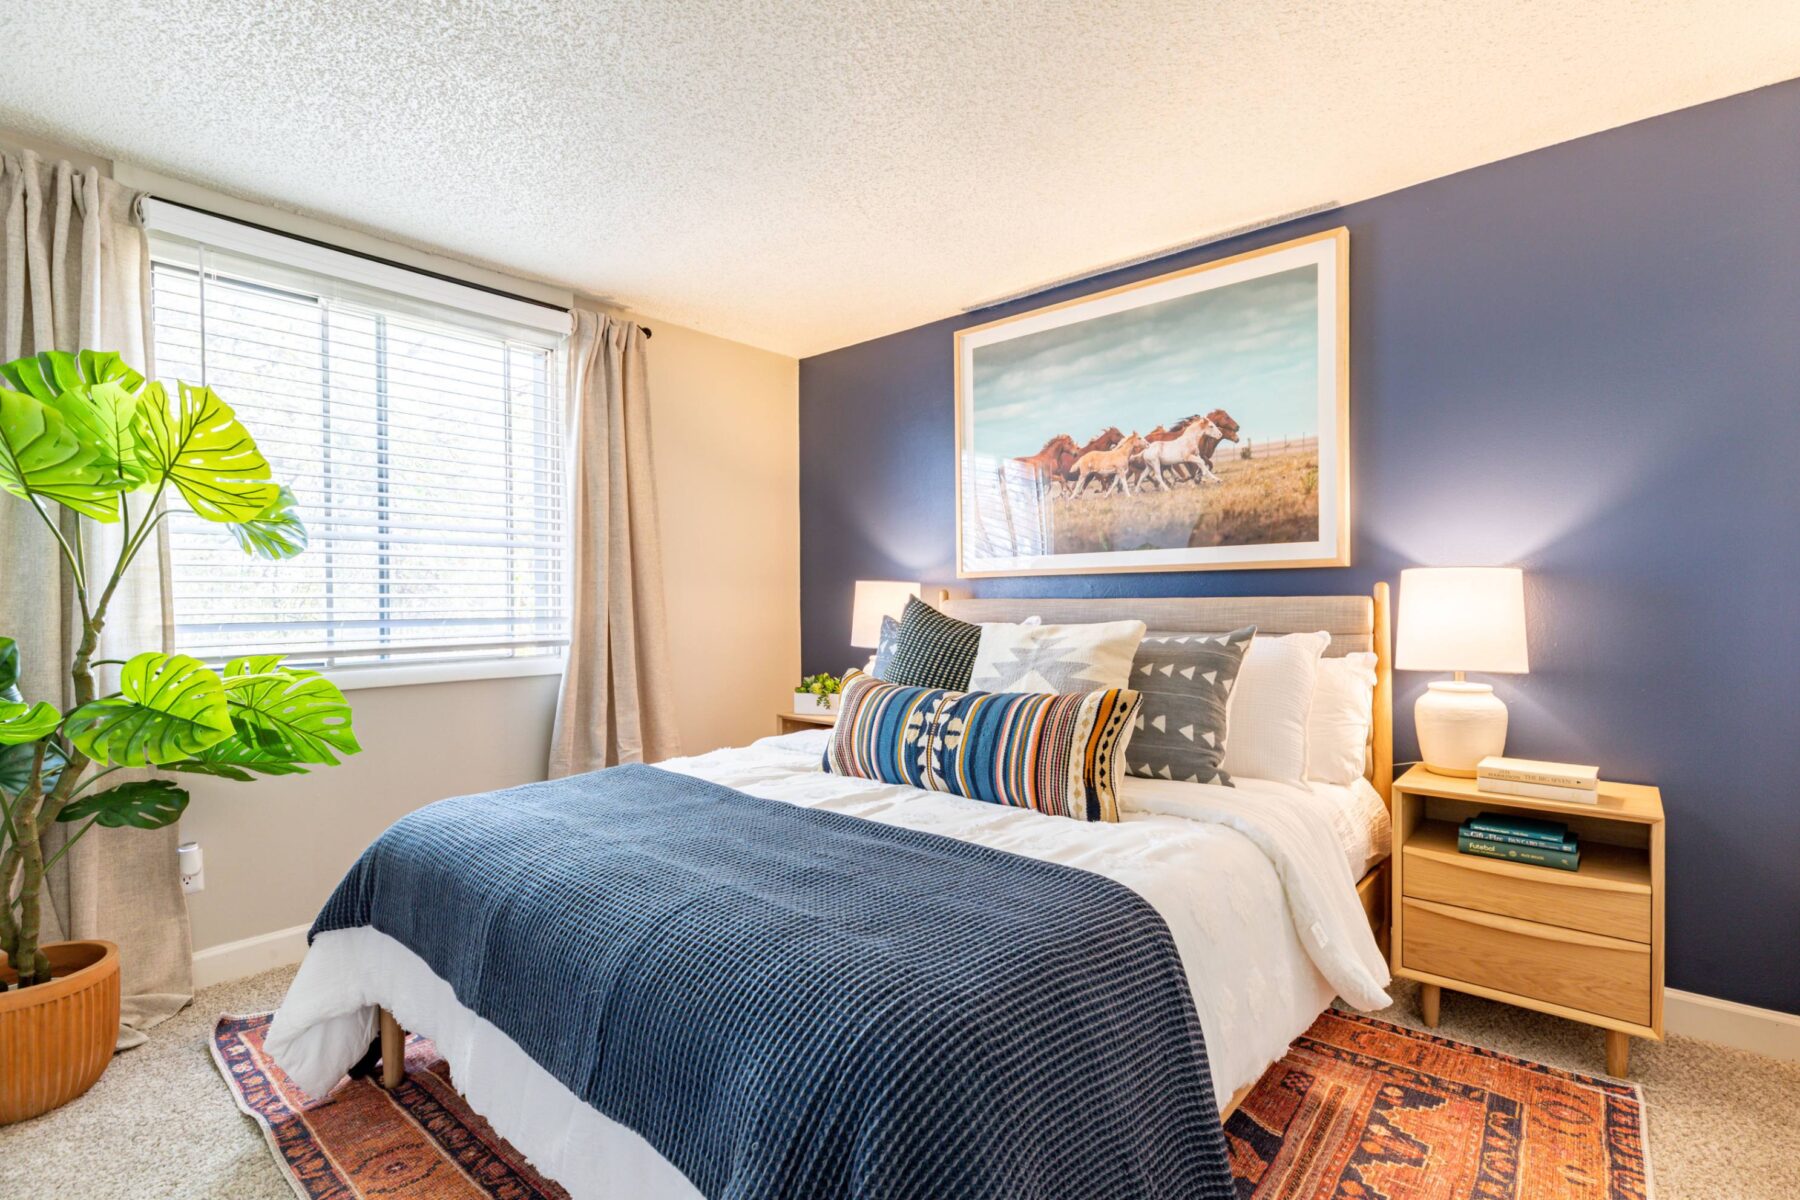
(1358, 1109)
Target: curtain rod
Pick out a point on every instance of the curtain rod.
(374, 258)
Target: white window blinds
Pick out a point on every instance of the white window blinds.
(422, 439)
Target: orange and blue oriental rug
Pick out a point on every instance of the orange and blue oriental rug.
(1358, 1109)
(1362, 1109)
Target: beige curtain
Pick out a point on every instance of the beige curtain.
(617, 698)
(75, 269)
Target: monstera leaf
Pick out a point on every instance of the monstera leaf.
(144, 804)
(206, 452)
(97, 395)
(55, 372)
(16, 756)
(41, 455)
(294, 715)
(275, 532)
(15, 766)
(20, 722)
(103, 416)
(221, 769)
(169, 707)
(9, 670)
(241, 757)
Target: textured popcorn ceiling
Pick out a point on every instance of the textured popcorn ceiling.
(802, 176)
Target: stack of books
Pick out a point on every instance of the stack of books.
(1568, 782)
(1520, 839)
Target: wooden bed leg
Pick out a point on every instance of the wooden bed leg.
(393, 1051)
(1430, 996)
(1618, 1053)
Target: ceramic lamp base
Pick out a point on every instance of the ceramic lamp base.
(1459, 724)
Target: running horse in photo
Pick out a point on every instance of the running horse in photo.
(1052, 463)
(1055, 463)
(1224, 430)
(1111, 467)
(1183, 450)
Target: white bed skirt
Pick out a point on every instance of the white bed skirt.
(328, 1020)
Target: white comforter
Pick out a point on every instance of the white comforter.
(1251, 881)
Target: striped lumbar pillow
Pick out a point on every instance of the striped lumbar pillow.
(1055, 754)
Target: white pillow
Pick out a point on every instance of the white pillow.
(1055, 658)
(1265, 731)
(1337, 732)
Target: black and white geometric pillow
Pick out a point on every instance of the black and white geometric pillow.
(931, 650)
(1185, 680)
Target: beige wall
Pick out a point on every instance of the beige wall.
(275, 847)
(725, 419)
(725, 423)
(727, 440)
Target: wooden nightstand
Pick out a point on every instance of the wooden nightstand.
(1586, 944)
(792, 722)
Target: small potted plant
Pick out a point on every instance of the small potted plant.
(817, 694)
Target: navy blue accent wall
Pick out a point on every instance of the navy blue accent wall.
(1584, 361)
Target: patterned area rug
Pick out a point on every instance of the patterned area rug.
(1361, 1108)
(1357, 1110)
(417, 1142)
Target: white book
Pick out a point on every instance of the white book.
(1550, 774)
(1537, 791)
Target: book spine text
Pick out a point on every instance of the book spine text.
(1561, 860)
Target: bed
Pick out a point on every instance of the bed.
(1263, 946)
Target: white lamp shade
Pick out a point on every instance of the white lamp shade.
(875, 599)
(1462, 619)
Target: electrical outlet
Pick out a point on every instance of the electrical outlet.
(192, 866)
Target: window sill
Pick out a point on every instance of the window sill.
(406, 674)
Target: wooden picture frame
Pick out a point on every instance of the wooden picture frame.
(1267, 330)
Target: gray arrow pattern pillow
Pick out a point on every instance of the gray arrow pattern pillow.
(1185, 680)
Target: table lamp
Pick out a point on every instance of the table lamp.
(875, 599)
(1461, 619)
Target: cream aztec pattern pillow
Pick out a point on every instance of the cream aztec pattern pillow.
(1055, 658)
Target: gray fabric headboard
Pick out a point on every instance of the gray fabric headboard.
(1350, 620)
(1354, 623)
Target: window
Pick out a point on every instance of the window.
(421, 434)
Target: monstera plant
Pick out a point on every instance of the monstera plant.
(86, 433)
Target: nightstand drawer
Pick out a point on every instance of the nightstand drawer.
(1610, 895)
(1603, 975)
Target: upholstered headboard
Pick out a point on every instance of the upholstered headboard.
(1354, 622)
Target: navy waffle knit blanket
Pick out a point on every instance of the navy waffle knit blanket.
(788, 1002)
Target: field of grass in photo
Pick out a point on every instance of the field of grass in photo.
(1260, 501)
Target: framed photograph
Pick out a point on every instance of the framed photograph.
(1195, 421)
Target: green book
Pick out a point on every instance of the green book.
(1565, 842)
(1535, 828)
(1561, 860)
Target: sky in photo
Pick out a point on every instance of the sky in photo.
(1250, 348)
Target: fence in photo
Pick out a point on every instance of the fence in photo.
(1252, 448)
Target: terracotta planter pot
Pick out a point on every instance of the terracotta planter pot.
(56, 1038)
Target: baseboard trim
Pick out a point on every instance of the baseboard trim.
(1688, 1014)
(1742, 1026)
(251, 956)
